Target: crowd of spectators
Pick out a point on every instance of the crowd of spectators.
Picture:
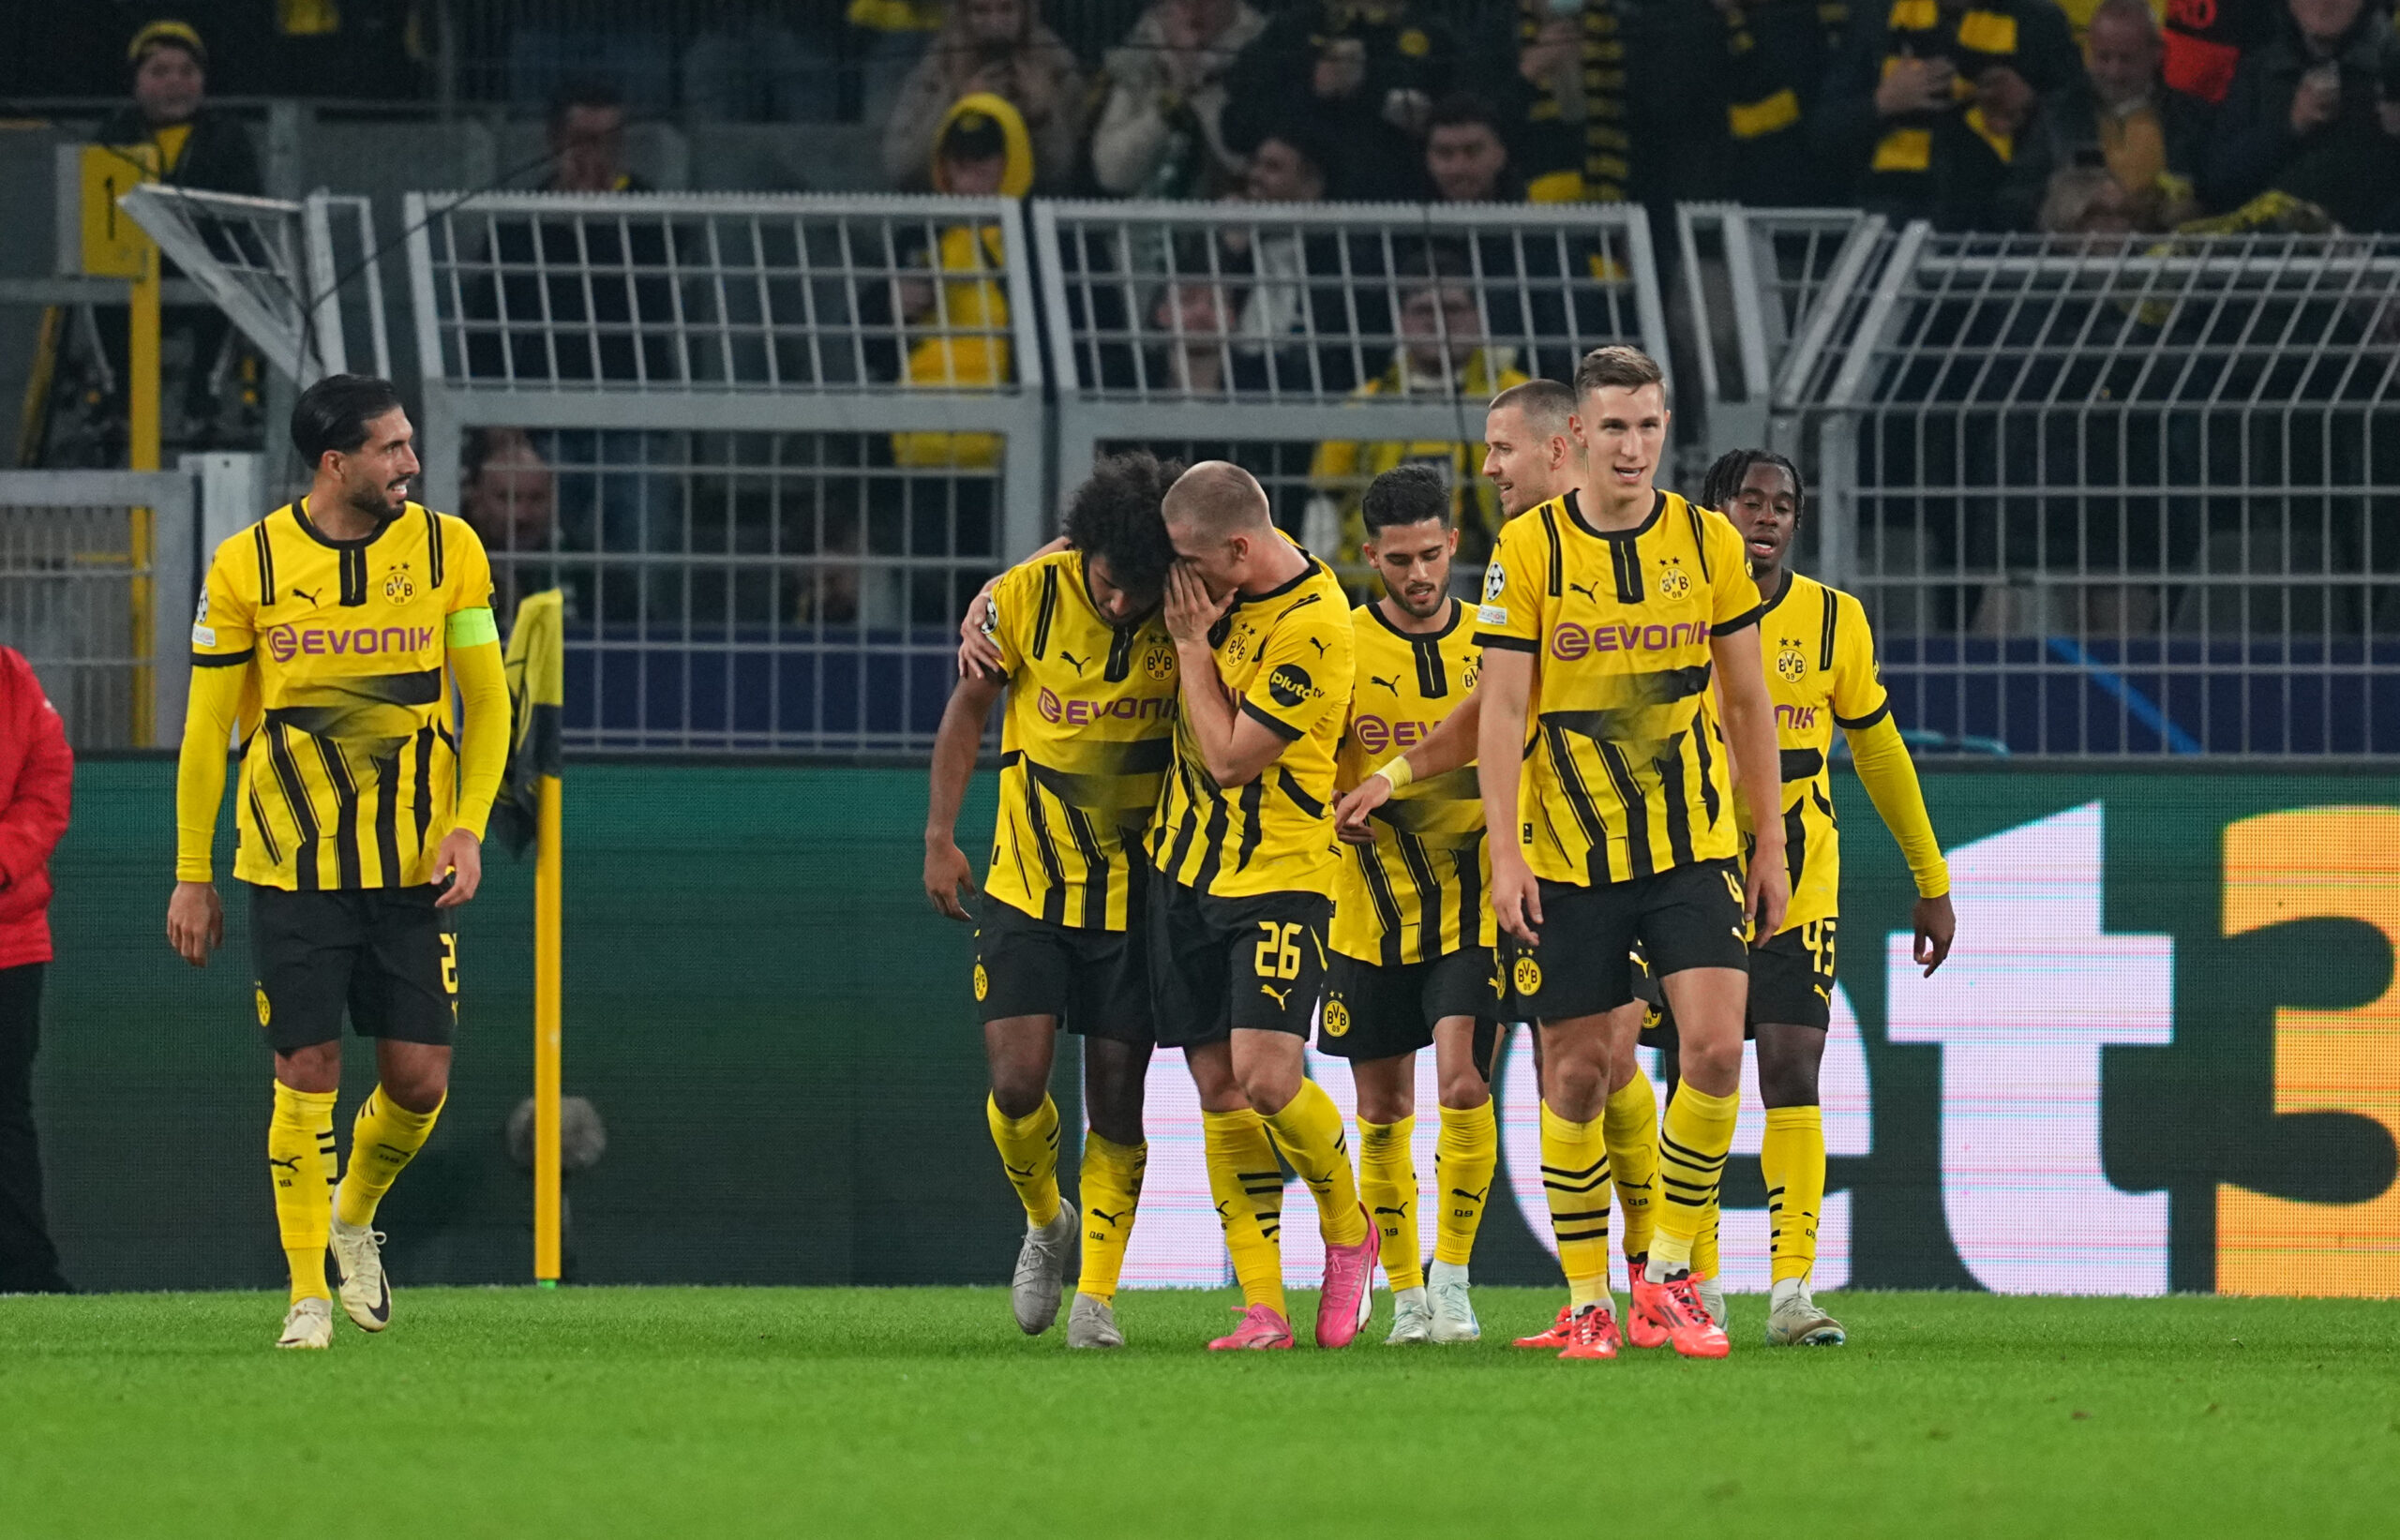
(2067, 115)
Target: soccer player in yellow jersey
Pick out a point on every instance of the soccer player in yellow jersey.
(1624, 829)
(1821, 673)
(1247, 862)
(329, 638)
(1531, 456)
(1060, 941)
(1412, 936)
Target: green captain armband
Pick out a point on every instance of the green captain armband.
(474, 627)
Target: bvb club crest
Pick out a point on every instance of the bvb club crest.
(264, 1013)
(1337, 1017)
(1789, 664)
(1159, 663)
(1673, 582)
(1526, 976)
(982, 986)
(397, 588)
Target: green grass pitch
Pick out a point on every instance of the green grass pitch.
(589, 1413)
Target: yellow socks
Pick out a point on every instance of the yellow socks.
(1112, 1189)
(1388, 1182)
(383, 1139)
(1246, 1180)
(1693, 1143)
(1029, 1154)
(1464, 1158)
(1629, 1124)
(1575, 1178)
(1309, 1132)
(300, 1158)
(1792, 1157)
(1705, 1259)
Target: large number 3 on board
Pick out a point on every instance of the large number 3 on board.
(2320, 863)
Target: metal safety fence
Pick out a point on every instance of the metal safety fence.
(770, 446)
(1320, 345)
(281, 271)
(2100, 498)
(2112, 498)
(96, 570)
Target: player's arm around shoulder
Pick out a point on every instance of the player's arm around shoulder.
(224, 654)
(975, 649)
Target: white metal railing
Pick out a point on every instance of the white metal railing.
(2122, 497)
(277, 270)
(1262, 332)
(99, 574)
(770, 444)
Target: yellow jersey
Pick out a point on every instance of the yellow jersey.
(350, 765)
(1285, 658)
(1418, 892)
(1085, 742)
(1821, 673)
(1627, 774)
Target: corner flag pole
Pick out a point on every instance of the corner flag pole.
(549, 948)
(530, 805)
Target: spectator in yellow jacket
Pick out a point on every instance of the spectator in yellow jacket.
(981, 151)
(1443, 353)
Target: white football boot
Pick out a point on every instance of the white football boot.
(309, 1323)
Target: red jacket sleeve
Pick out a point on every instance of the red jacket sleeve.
(33, 812)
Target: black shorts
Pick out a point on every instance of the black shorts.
(1375, 1011)
(1217, 964)
(386, 954)
(1792, 984)
(1687, 916)
(1094, 982)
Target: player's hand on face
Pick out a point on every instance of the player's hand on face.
(195, 922)
(1516, 900)
(977, 652)
(1189, 610)
(1350, 814)
(461, 858)
(946, 874)
(1937, 925)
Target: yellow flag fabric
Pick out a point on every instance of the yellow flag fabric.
(536, 669)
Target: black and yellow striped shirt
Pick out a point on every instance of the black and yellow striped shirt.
(1285, 658)
(1084, 745)
(1418, 892)
(350, 766)
(1627, 775)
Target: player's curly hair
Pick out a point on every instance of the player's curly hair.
(1724, 480)
(1406, 494)
(1114, 516)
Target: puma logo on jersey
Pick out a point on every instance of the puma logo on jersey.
(1584, 591)
(1389, 684)
(304, 593)
(1318, 643)
(1065, 656)
(1275, 994)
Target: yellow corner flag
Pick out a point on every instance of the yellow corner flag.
(537, 668)
(529, 808)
